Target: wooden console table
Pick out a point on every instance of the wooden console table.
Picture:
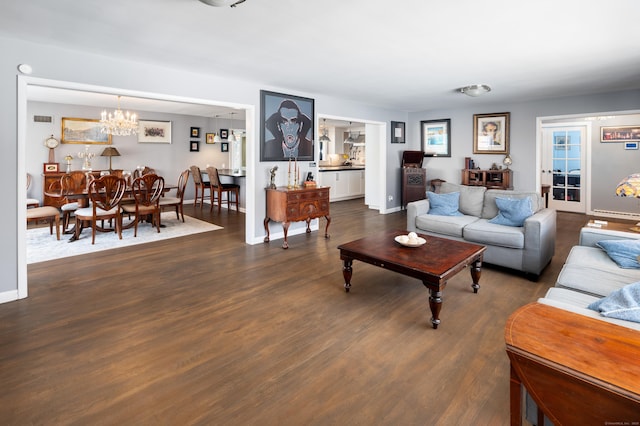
(492, 179)
(288, 205)
(578, 370)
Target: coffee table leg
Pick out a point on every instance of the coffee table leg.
(346, 272)
(435, 303)
(475, 275)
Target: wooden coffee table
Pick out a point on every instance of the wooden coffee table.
(435, 262)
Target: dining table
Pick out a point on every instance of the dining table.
(82, 198)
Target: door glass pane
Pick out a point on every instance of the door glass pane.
(566, 165)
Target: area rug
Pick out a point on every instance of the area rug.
(41, 246)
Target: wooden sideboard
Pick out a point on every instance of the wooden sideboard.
(579, 370)
(288, 205)
(492, 179)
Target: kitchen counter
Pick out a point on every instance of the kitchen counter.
(339, 168)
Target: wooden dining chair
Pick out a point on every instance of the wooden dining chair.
(178, 200)
(146, 190)
(218, 188)
(145, 171)
(31, 202)
(68, 184)
(105, 194)
(200, 185)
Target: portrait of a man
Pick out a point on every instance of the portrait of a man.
(287, 127)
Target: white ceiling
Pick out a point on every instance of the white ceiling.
(407, 55)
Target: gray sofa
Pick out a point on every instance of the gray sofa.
(528, 248)
(589, 274)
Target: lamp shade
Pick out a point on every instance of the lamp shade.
(110, 151)
(629, 186)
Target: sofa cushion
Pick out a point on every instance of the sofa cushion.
(512, 211)
(444, 225)
(490, 208)
(471, 197)
(443, 204)
(590, 270)
(484, 232)
(624, 252)
(623, 304)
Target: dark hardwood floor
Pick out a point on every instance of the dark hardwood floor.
(207, 330)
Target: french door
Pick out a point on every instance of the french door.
(563, 166)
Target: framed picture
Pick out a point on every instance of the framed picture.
(620, 134)
(85, 131)
(286, 127)
(154, 131)
(224, 134)
(435, 137)
(209, 138)
(560, 142)
(195, 132)
(397, 131)
(195, 146)
(224, 147)
(491, 133)
(50, 167)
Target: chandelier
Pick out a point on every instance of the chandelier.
(119, 123)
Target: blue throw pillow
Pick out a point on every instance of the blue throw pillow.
(623, 303)
(512, 211)
(444, 204)
(624, 252)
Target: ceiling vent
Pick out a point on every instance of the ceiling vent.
(42, 119)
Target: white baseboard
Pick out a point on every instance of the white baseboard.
(9, 296)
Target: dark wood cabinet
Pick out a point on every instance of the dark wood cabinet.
(414, 184)
(288, 205)
(492, 179)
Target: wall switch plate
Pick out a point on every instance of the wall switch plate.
(312, 164)
(390, 198)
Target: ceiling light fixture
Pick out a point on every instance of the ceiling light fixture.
(475, 90)
(119, 123)
(222, 3)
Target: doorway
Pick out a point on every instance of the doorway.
(24, 82)
(564, 149)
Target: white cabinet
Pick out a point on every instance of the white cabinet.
(345, 184)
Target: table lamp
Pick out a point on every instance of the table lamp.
(630, 187)
(110, 152)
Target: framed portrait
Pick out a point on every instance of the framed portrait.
(397, 132)
(224, 134)
(286, 127)
(620, 134)
(435, 137)
(209, 138)
(154, 131)
(85, 131)
(50, 168)
(491, 133)
(195, 146)
(224, 147)
(195, 132)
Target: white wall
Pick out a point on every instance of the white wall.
(522, 131)
(55, 64)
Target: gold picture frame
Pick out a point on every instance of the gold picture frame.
(491, 133)
(83, 131)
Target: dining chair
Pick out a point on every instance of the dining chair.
(105, 194)
(200, 185)
(218, 188)
(48, 213)
(178, 200)
(31, 202)
(146, 191)
(145, 171)
(68, 184)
